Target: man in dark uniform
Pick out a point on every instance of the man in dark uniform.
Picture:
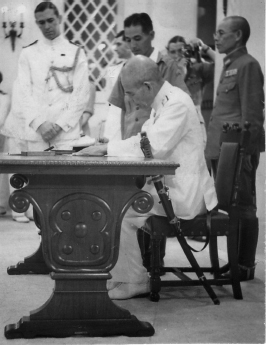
(239, 98)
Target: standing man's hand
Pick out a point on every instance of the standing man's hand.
(196, 42)
(48, 130)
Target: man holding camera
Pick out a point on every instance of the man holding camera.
(198, 72)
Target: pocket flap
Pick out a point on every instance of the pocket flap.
(228, 86)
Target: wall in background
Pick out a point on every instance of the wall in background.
(31, 33)
(170, 18)
(254, 12)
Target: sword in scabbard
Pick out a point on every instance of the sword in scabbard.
(162, 191)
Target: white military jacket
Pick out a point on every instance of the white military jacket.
(175, 135)
(52, 85)
(4, 107)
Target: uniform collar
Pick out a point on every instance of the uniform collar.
(119, 61)
(161, 95)
(235, 54)
(59, 39)
(154, 55)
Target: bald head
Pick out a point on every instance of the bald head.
(141, 80)
(140, 69)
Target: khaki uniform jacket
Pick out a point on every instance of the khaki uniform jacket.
(239, 98)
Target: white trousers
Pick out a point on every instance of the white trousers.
(129, 267)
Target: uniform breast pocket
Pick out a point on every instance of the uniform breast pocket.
(228, 87)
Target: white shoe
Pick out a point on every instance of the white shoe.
(110, 285)
(127, 290)
(21, 219)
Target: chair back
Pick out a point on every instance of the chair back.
(233, 141)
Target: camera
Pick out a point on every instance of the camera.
(192, 52)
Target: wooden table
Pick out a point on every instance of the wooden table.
(79, 204)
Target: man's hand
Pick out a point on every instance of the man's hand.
(85, 118)
(97, 150)
(57, 128)
(48, 130)
(101, 141)
(196, 42)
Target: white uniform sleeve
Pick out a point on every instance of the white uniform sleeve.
(90, 104)
(79, 97)
(164, 134)
(169, 129)
(112, 129)
(125, 148)
(23, 103)
(4, 108)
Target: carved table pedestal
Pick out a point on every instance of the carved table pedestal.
(79, 204)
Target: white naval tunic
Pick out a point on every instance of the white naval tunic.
(175, 135)
(37, 97)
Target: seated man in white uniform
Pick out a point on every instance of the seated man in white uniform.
(175, 135)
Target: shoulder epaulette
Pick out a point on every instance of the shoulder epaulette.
(75, 44)
(31, 44)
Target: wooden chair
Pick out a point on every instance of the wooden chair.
(223, 221)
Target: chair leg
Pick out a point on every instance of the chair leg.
(155, 280)
(232, 245)
(144, 240)
(214, 258)
(248, 240)
(144, 244)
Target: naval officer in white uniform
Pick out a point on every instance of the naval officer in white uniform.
(51, 90)
(50, 93)
(175, 135)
